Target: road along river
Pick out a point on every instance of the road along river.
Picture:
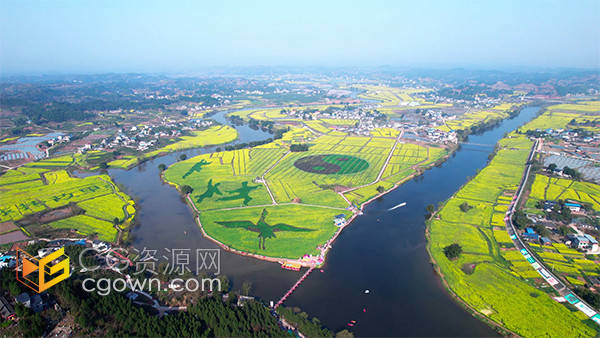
(382, 251)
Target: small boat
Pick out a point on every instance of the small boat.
(364, 309)
(367, 291)
(353, 321)
(350, 324)
(322, 270)
(397, 206)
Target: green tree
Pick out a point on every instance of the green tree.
(541, 229)
(380, 189)
(564, 230)
(452, 251)
(186, 189)
(162, 167)
(246, 287)
(571, 172)
(14, 289)
(521, 220)
(589, 296)
(464, 207)
(182, 157)
(430, 208)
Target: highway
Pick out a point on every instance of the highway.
(538, 265)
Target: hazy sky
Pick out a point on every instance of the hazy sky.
(172, 36)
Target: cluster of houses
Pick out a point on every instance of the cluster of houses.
(366, 119)
(59, 139)
(583, 242)
(145, 137)
(365, 126)
(573, 143)
(439, 136)
(580, 241)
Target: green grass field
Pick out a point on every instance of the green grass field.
(287, 244)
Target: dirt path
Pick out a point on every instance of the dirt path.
(264, 181)
(389, 158)
(387, 161)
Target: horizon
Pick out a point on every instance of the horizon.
(149, 37)
(308, 70)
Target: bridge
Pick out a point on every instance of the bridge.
(478, 144)
(294, 287)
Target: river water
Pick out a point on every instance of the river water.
(381, 251)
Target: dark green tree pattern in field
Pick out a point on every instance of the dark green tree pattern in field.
(331, 164)
(262, 227)
(210, 191)
(242, 193)
(196, 168)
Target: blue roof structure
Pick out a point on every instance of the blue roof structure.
(531, 236)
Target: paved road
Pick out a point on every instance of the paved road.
(538, 265)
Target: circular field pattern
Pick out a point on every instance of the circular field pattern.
(331, 164)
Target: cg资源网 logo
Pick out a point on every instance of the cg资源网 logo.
(41, 274)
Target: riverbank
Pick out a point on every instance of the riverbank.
(484, 277)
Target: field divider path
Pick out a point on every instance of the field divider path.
(264, 180)
(389, 158)
(385, 164)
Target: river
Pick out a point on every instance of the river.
(382, 251)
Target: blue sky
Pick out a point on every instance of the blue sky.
(174, 36)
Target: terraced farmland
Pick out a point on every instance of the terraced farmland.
(26, 191)
(552, 188)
